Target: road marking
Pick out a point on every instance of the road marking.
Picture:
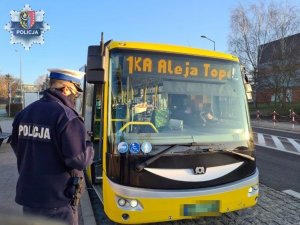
(292, 193)
(276, 129)
(261, 139)
(278, 143)
(294, 143)
(286, 151)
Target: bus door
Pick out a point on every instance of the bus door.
(92, 113)
(96, 127)
(95, 94)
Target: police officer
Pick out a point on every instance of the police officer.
(49, 140)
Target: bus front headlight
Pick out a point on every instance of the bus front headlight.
(121, 202)
(133, 203)
(128, 204)
(253, 190)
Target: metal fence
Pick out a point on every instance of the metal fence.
(275, 117)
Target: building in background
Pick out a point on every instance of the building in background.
(279, 71)
(31, 93)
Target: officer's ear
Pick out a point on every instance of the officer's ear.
(65, 91)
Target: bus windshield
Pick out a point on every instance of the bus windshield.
(175, 99)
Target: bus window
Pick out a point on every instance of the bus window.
(155, 104)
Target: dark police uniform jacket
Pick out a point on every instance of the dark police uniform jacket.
(49, 140)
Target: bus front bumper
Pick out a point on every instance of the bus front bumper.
(129, 205)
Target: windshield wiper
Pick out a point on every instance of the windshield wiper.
(139, 167)
(142, 165)
(208, 148)
(234, 152)
(241, 154)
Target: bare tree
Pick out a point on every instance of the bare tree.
(255, 25)
(42, 80)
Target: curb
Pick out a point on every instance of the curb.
(278, 126)
(87, 212)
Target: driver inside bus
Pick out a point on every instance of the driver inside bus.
(197, 112)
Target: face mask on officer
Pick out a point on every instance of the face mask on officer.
(72, 94)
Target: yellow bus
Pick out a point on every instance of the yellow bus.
(171, 130)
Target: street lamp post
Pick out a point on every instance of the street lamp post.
(203, 36)
(21, 86)
(9, 98)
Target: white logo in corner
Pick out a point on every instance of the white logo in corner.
(27, 27)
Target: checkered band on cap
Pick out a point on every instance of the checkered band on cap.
(73, 76)
(66, 74)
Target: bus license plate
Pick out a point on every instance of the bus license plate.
(203, 208)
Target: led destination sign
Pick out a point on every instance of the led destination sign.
(177, 66)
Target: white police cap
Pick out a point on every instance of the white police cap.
(73, 76)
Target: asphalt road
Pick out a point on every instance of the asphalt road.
(279, 170)
(281, 133)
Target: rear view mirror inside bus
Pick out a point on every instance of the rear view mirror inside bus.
(95, 72)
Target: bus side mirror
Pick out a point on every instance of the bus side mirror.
(248, 90)
(95, 72)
